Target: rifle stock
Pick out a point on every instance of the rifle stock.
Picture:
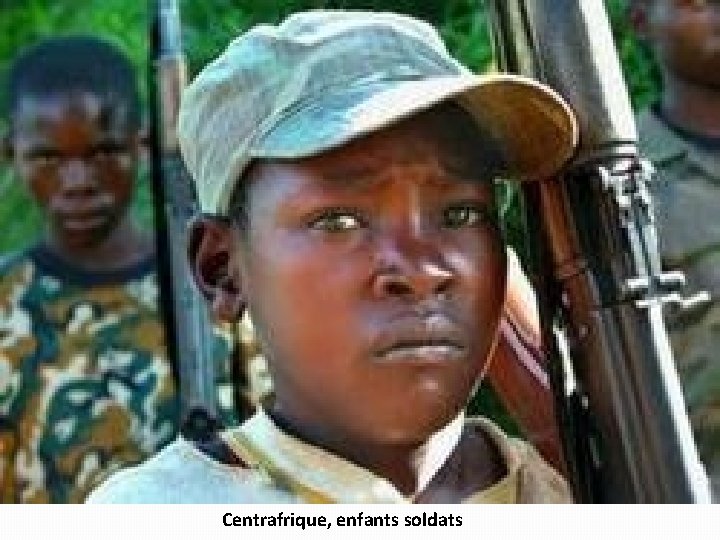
(189, 331)
(630, 438)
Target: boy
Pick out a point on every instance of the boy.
(344, 163)
(85, 383)
(681, 136)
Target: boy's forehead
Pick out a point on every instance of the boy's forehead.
(443, 147)
(38, 110)
(436, 142)
(447, 136)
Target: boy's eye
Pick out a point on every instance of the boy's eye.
(43, 159)
(336, 221)
(464, 215)
(108, 151)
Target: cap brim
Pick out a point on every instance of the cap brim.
(531, 121)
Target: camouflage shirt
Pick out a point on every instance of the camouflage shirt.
(85, 383)
(687, 205)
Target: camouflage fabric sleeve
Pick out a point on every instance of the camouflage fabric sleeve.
(85, 384)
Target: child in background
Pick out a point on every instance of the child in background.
(86, 386)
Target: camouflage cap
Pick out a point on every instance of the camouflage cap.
(323, 78)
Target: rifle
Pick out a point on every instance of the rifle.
(627, 436)
(189, 332)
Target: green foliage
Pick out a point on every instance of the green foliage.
(641, 73)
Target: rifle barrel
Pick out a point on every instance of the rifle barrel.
(598, 221)
(189, 331)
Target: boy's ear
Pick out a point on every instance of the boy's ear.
(212, 247)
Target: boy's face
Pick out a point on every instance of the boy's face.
(686, 38)
(77, 154)
(375, 274)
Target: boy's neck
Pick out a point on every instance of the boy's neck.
(125, 246)
(392, 462)
(692, 107)
(468, 462)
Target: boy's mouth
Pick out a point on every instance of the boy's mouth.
(81, 217)
(83, 222)
(432, 339)
(80, 222)
(424, 352)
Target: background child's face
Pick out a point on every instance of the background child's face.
(375, 274)
(77, 154)
(686, 38)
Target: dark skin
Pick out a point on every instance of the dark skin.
(375, 275)
(685, 35)
(77, 154)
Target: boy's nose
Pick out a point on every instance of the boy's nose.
(77, 178)
(413, 269)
